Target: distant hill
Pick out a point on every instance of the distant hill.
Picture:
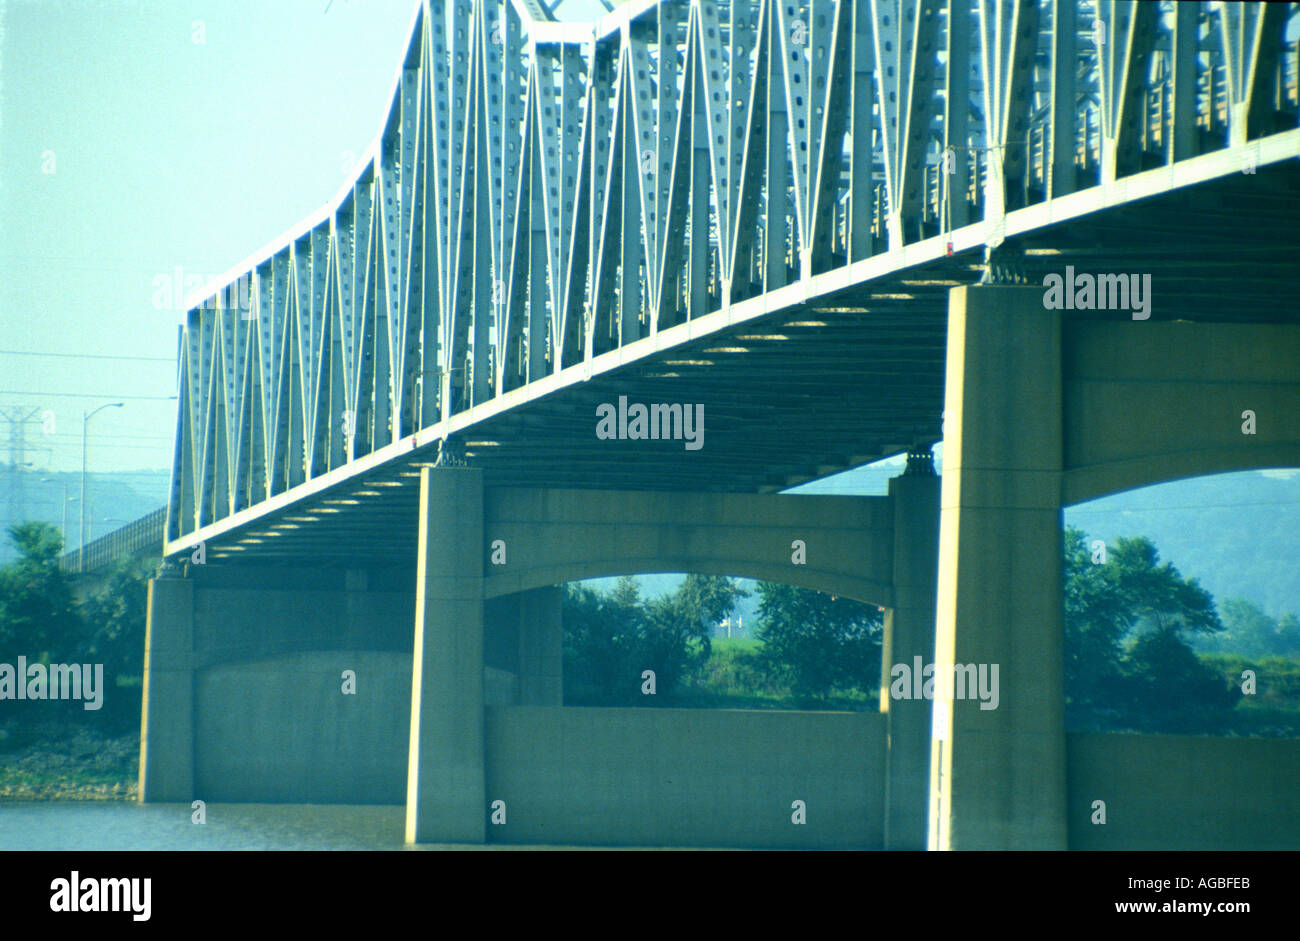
(1238, 534)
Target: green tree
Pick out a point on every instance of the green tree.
(38, 615)
(817, 643)
(1250, 632)
(1173, 691)
(612, 637)
(1098, 615)
(1127, 661)
(115, 621)
(1288, 635)
(602, 633)
(679, 627)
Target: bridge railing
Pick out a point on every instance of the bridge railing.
(134, 538)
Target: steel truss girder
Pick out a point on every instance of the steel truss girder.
(543, 192)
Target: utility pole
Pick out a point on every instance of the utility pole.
(64, 529)
(18, 416)
(81, 543)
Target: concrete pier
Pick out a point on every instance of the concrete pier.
(909, 633)
(445, 797)
(998, 775)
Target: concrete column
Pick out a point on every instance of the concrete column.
(909, 640)
(998, 774)
(445, 779)
(541, 648)
(167, 709)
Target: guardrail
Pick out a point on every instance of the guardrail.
(136, 537)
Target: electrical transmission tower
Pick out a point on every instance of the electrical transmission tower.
(18, 417)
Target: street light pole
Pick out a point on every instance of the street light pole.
(63, 531)
(81, 542)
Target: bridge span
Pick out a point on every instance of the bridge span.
(1059, 235)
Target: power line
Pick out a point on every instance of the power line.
(145, 359)
(86, 395)
(68, 438)
(128, 436)
(143, 431)
(115, 447)
(1183, 506)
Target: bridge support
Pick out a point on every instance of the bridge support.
(909, 638)
(541, 648)
(523, 649)
(998, 774)
(167, 714)
(445, 778)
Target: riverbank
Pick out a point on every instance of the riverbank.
(62, 763)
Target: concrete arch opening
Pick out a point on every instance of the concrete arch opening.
(695, 640)
(520, 627)
(667, 775)
(1159, 731)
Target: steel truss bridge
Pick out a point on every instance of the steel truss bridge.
(753, 205)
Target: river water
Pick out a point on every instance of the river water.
(126, 825)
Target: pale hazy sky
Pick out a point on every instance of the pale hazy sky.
(160, 139)
(137, 136)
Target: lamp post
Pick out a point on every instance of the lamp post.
(81, 543)
(64, 529)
